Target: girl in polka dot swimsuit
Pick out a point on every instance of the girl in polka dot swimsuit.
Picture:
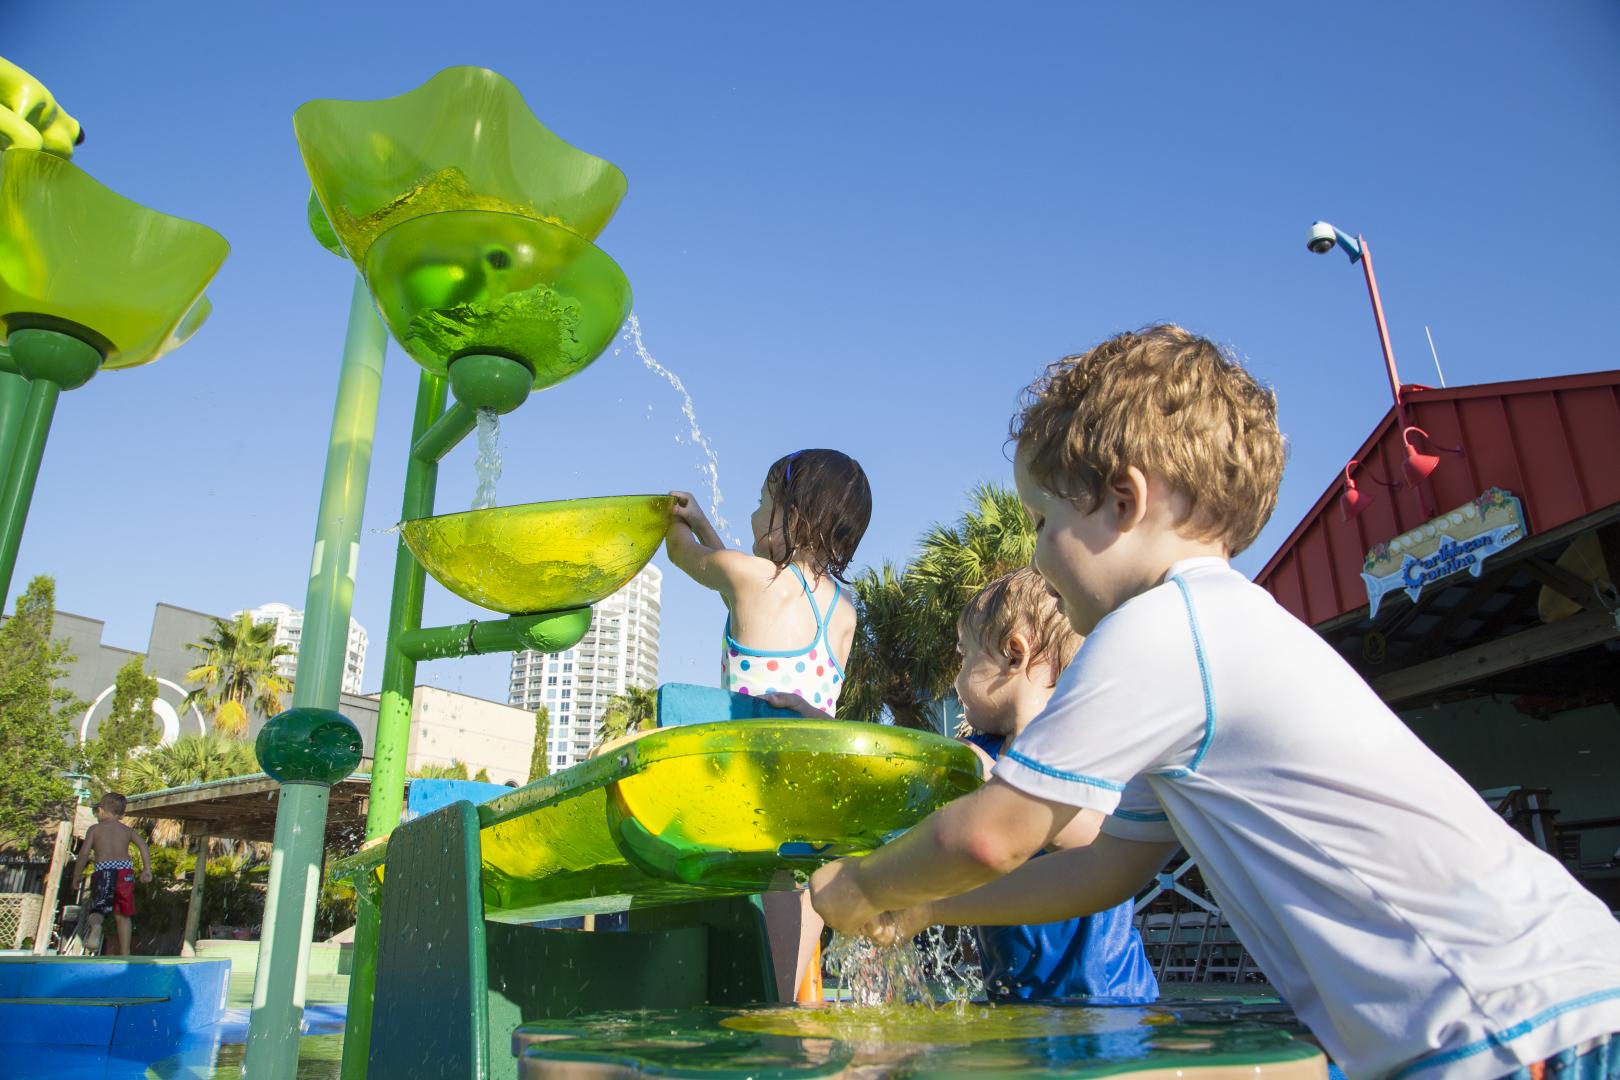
(789, 622)
(790, 625)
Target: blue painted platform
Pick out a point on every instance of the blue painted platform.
(108, 1001)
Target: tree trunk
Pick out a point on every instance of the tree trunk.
(199, 875)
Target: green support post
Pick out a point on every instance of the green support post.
(295, 865)
(23, 470)
(13, 396)
(393, 719)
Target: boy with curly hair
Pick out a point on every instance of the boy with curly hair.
(1410, 928)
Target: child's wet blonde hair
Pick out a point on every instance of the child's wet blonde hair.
(1021, 603)
(1174, 405)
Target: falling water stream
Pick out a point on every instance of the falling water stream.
(710, 466)
(488, 462)
(934, 968)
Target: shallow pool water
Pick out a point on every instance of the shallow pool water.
(917, 1041)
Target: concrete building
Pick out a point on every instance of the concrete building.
(446, 727)
(289, 624)
(619, 651)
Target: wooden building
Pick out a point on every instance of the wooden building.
(1480, 602)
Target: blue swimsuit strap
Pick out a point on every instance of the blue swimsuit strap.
(823, 624)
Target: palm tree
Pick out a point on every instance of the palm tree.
(893, 661)
(634, 710)
(904, 657)
(192, 759)
(238, 674)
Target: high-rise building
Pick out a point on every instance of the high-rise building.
(289, 624)
(619, 651)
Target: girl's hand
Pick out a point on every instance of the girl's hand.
(797, 704)
(688, 512)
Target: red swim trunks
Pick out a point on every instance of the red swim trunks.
(112, 890)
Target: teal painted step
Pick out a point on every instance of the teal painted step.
(88, 1021)
(192, 990)
(680, 704)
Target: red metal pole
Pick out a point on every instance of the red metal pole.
(1383, 331)
(1389, 357)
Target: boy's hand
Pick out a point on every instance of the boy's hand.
(146, 875)
(795, 703)
(837, 896)
(893, 927)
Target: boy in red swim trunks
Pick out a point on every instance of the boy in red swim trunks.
(112, 886)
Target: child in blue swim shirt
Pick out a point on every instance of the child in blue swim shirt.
(1014, 643)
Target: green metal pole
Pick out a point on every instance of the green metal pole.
(13, 397)
(34, 429)
(448, 430)
(393, 722)
(295, 863)
(550, 631)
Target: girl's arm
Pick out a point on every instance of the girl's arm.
(716, 567)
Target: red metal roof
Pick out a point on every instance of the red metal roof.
(1553, 442)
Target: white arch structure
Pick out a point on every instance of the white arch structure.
(166, 714)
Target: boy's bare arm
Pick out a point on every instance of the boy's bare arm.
(1066, 884)
(85, 850)
(146, 854)
(967, 843)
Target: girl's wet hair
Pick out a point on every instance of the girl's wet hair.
(823, 504)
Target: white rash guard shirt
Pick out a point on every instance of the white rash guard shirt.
(1409, 926)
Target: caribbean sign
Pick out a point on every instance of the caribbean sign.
(1454, 543)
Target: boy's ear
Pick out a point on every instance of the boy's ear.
(1017, 651)
(1127, 495)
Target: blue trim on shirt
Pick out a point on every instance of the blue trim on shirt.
(1524, 1027)
(1047, 770)
(1132, 815)
(1203, 674)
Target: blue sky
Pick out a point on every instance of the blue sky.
(852, 225)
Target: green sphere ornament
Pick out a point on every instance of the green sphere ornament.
(309, 746)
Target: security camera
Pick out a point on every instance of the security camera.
(1322, 238)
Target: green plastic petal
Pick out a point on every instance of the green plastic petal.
(82, 259)
(540, 556)
(325, 235)
(463, 140)
(473, 281)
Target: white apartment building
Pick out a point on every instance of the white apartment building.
(289, 623)
(619, 651)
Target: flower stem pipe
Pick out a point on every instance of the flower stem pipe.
(308, 748)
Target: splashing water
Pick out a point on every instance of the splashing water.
(936, 967)
(710, 466)
(488, 462)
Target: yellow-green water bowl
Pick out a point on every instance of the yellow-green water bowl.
(79, 258)
(463, 140)
(546, 556)
(478, 281)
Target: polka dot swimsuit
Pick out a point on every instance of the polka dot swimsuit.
(811, 673)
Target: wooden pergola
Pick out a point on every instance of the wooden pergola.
(244, 808)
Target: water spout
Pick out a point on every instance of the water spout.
(710, 466)
(488, 462)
